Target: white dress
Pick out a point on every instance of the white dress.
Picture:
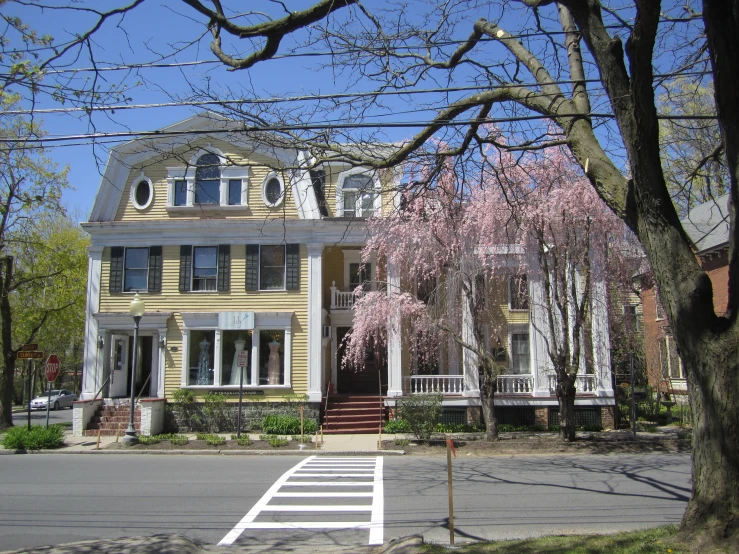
(273, 363)
(239, 344)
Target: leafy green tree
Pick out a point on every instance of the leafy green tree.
(30, 190)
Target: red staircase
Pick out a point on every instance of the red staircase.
(111, 420)
(353, 414)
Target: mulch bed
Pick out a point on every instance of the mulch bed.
(544, 444)
(201, 445)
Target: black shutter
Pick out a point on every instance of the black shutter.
(224, 267)
(252, 267)
(318, 179)
(185, 267)
(116, 269)
(155, 269)
(292, 263)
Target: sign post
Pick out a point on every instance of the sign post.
(30, 352)
(241, 362)
(449, 450)
(52, 372)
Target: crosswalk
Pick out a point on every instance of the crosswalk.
(321, 493)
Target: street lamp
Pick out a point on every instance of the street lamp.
(137, 311)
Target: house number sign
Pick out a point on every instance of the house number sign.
(236, 320)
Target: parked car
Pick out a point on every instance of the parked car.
(59, 399)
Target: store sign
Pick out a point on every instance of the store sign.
(243, 321)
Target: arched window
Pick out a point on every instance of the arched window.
(208, 180)
(359, 195)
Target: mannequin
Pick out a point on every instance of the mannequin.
(273, 363)
(203, 363)
(239, 344)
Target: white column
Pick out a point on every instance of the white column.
(92, 369)
(394, 344)
(469, 358)
(315, 305)
(601, 338)
(537, 343)
(161, 362)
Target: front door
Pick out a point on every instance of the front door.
(119, 366)
(363, 380)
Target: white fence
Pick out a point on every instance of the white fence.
(515, 384)
(583, 383)
(439, 384)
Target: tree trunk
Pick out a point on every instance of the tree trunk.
(487, 402)
(8, 373)
(712, 515)
(566, 398)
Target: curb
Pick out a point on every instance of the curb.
(115, 452)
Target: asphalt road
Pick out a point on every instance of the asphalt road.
(38, 417)
(58, 498)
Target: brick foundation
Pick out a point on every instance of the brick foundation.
(474, 414)
(608, 417)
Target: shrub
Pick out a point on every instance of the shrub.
(401, 442)
(37, 438)
(422, 412)
(277, 424)
(460, 428)
(144, 439)
(276, 442)
(307, 439)
(267, 437)
(397, 426)
(179, 440)
(215, 440)
(214, 410)
(185, 408)
(244, 441)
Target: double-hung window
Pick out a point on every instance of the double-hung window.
(208, 182)
(135, 269)
(359, 196)
(272, 267)
(204, 268)
(520, 358)
(360, 274)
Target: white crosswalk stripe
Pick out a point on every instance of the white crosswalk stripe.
(353, 474)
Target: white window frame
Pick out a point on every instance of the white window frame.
(208, 321)
(637, 325)
(376, 189)
(668, 341)
(135, 185)
(192, 269)
(123, 284)
(284, 269)
(267, 179)
(187, 174)
(510, 293)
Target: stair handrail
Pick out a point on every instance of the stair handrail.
(99, 390)
(325, 407)
(143, 388)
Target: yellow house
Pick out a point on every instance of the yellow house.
(247, 265)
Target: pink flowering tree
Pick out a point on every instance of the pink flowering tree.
(451, 250)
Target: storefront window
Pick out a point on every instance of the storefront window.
(271, 357)
(231, 343)
(201, 360)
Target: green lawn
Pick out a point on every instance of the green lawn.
(651, 541)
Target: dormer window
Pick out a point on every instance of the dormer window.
(208, 180)
(358, 194)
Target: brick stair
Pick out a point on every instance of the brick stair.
(353, 414)
(111, 420)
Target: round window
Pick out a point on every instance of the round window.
(273, 191)
(142, 194)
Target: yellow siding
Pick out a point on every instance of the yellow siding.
(333, 270)
(172, 300)
(156, 170)
(329, 191)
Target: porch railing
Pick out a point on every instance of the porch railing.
(515, 384)
(343, 300)
(583, 383)
(438, 384)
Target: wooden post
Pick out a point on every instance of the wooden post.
(301, 425)
(97, 446)
(321, 435)
(449, 489)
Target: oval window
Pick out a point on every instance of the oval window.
(272, 191)
(142, 194)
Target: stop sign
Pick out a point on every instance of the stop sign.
(52, 367)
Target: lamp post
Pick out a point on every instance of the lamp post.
(137, 311)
